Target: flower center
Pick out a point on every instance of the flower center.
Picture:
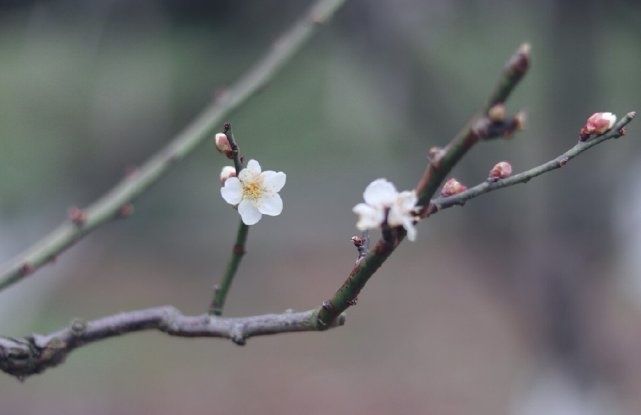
(252, 190)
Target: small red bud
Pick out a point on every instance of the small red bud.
(222, 145)
(597, 124)
(452, 187)
(26, 269)
(226, 173)
(77, 216)
(358, 241)
(519, 120)
(435, 153)
(497, 113)
(501, 170)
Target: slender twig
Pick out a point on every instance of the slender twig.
(441, 203)
(220, 292)
(235, 150)
(442, 162)
(33, 354)
(108, 207)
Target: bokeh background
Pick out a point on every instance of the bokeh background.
(526, 301)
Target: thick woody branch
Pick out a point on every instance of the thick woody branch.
(479, 128)
(34, 354)
(115, 203)
(441, 203)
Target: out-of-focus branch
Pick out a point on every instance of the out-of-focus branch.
(441, 203)
(33, 354)
(115, 203)
(441, 163)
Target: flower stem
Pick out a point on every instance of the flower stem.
(238, 159)
(220, 292)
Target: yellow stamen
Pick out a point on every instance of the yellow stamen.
(252, 190)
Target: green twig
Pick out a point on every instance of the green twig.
(113, 202)
(220, 292)
(438, 168)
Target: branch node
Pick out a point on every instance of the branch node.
(126, 210)
(26, 268)
(237, 334)
(77, 216)
(78, 326)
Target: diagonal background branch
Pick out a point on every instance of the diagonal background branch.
(112, 204)
(34, 354)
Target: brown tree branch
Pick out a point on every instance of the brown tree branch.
(33, 354)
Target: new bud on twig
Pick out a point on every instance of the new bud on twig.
(226, 173)
(597, 124)
(223, 146)
(497, 113)
(519, 120)
(77, 216)
(501, 170)
(126, 210)
(452, 187)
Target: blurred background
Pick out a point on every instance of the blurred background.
(526, 301)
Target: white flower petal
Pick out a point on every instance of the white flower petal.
(410, 229)
(380, 192)
(248, 212)
(368, 216)
(273, 181)
(232, 192)
(406, 200)
(253, 166)
(271, 205)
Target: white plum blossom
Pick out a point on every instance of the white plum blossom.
(381, 200)
(255, 192)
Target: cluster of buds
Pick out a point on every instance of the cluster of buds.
(223, 146)
(501, 170)
(452, 187)
(598, 123)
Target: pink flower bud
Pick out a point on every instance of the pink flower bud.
(452, 187)
(222, 145)
(500, 170)
(597, 124)
(519, 120)
(226, 173)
